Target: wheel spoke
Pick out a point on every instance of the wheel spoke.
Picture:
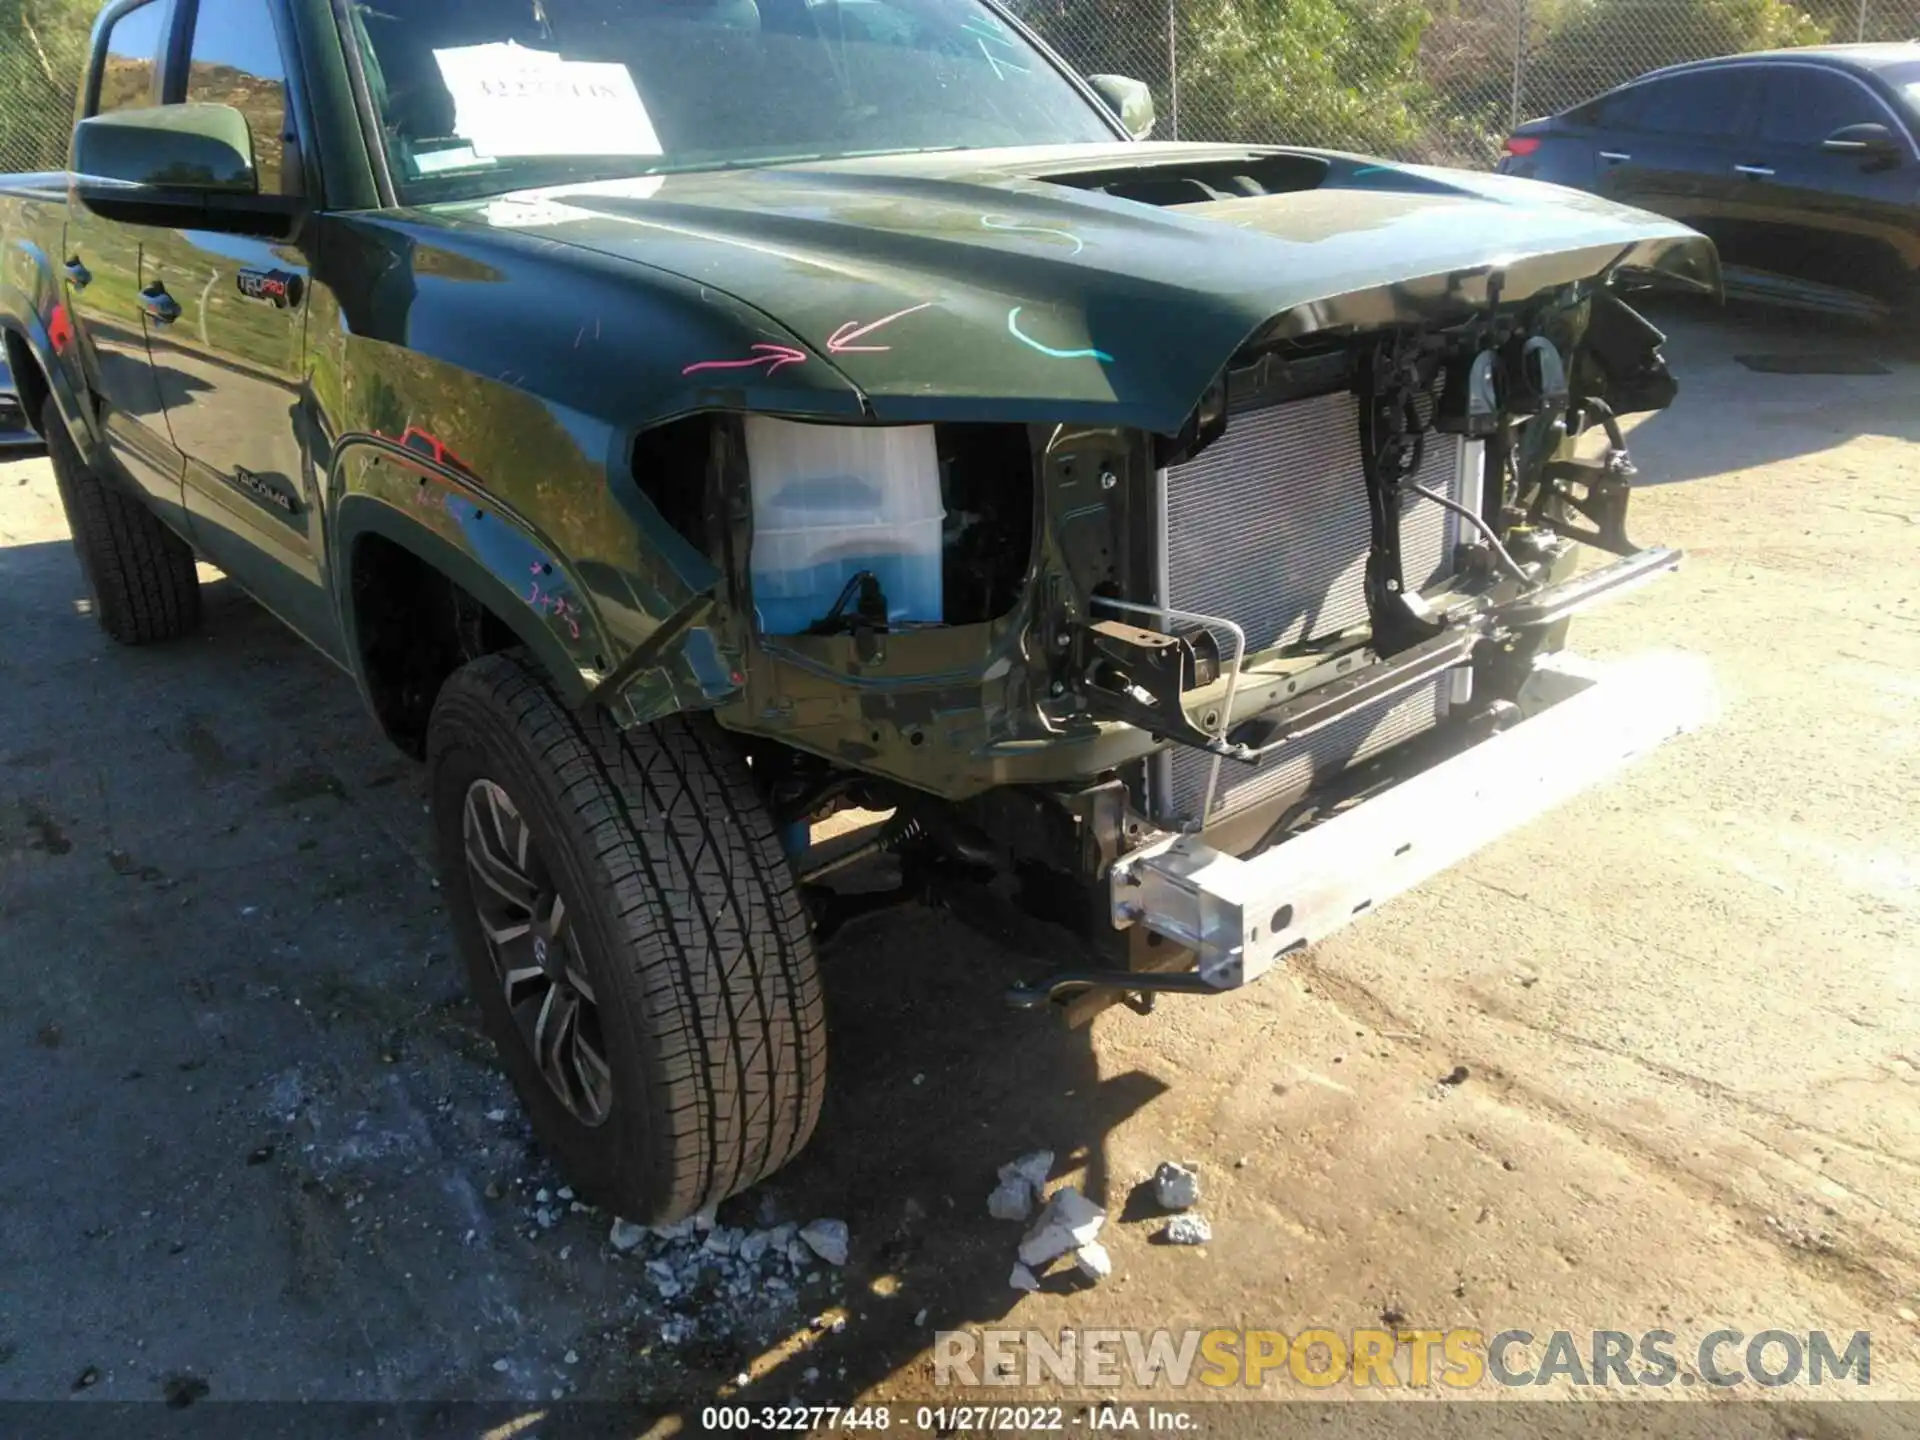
(492, 872)
(506, 934)
(540, 1025)
(585, 1053)
(593, 1072)
(524, 918)
(500, 807)
(521, 975)
(557, 1016)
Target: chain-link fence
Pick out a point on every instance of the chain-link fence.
(43, 49)
(1434, 80)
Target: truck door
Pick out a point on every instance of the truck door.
(1830, 218)
(103, 281)
(229, 352)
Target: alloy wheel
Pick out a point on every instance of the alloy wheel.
(535, 959)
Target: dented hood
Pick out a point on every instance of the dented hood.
(1090, 283)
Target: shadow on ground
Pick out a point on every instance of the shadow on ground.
(1791, 415)
(231, 1021)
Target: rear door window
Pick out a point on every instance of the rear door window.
(130, 62)
(1800, 105)
(1613, 111)
(1701, 105)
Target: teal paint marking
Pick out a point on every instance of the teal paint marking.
(1001, 66)
(996, 222)
(1013, 329)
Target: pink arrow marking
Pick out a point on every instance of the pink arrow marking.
(772, 356)
(841, 341)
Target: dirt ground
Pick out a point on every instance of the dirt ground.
(246, 1108)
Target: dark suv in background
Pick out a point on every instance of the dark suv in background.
(1801, 165)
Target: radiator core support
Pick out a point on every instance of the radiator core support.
(1271, 528)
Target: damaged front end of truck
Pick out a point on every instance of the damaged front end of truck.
(1200, 691)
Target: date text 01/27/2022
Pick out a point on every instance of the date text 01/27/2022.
(949, 1419)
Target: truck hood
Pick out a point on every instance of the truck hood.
(1084, 283)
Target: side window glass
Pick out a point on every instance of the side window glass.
(1620, 109)
(235, 60)
(128, 67)
(1802, 106)
(1704, 105)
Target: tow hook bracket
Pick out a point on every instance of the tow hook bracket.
(1599, 490)
(1138, 677)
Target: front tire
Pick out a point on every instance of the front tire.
(635, 939)
(142, 576)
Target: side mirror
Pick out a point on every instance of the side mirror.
(180, 166)
(1872, 141)
(1127, 98)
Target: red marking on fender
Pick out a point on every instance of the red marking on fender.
(772, 356)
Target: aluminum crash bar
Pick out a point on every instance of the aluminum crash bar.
(1240, 916)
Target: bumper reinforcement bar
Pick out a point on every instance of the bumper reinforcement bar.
(1240, 916)
(1607, 583)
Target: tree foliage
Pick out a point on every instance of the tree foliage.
(1592, 45)
(1330, 72)
(43, 50)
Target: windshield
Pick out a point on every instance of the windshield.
(478, 97)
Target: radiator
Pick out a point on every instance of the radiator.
(1269, 528)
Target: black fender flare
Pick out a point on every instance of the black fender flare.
(20, 319)
(496, 556)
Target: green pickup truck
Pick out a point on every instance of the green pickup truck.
(688, 419)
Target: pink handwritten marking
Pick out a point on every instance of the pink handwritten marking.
(553, 605)
(772, 356)
(841, 341)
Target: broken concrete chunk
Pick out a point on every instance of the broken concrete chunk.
(1176, 1187)
(1022, 1278)
(799, 1254)
(752, 1246)
(1069, 1221)
(625, 1234)
(721, 1240)
(828, 1240)
(1012, 1199)
(1187, 1230)
(1033, 1167)
(1093, 1261)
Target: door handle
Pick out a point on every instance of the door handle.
(1614, 157)
(161, 307)
(1758, 172)
(78, 275)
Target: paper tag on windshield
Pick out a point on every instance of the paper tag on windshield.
(509, 100)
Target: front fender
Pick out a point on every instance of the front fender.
(495, 555)
(32, 308)
(575, 615)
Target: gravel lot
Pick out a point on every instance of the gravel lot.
(256, 1147)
